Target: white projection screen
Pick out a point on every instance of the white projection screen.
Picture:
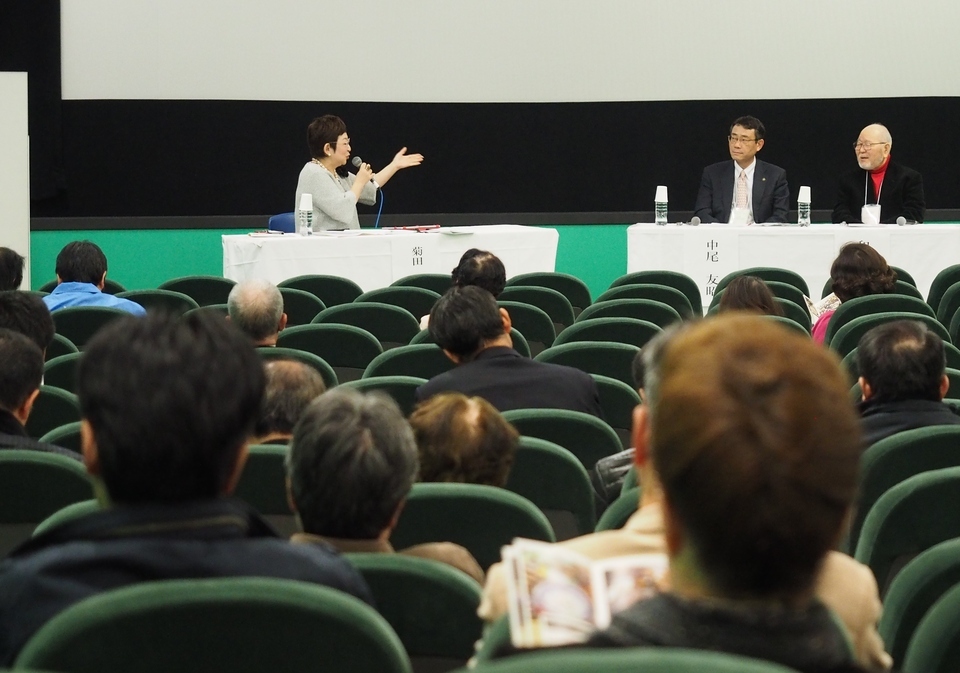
(476, 51)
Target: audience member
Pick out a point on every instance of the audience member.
(167, 405)
(291, 386)
(352, 463)
(81, 273)
(749, 293)
(11, 269)
(21, 371)
(480, 268)
(747, 501)
(858, 271)
(256, 307)
(463, 439)
(903, 380)
(27, 314)
(475, 333)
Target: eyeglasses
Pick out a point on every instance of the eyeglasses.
(865, 145)
(740, 139)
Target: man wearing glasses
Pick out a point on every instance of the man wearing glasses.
(747, 190)
(881, 190)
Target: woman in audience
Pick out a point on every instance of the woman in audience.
(336, 192)
(858, 271)
(463, 439)
(749, 293)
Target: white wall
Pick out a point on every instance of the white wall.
(15, 168)
(508, 50)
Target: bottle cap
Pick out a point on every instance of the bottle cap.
(661, 194)
(804, 195)
(306, 201)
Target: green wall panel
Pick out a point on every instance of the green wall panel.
(144, 258)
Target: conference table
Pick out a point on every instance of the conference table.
(374, 258)
(708, 252)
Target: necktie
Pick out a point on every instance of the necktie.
(742, 193)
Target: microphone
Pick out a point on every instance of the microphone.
(357, 162)
(694, 221)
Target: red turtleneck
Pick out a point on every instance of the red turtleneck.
(876, 176)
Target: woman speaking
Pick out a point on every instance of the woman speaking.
(336, 192)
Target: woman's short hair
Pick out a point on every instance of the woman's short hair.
(860, 270)
(323, 130)
(463, 439)
(749, 293)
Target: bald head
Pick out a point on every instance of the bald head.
(291, 386)
(256, 307)
(873, 146)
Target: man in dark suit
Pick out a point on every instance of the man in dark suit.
(747, 190)
(475, 333)
(879, 180)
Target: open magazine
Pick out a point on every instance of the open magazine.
(556, 596)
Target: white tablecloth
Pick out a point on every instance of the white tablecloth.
(709, 252)
(376, 258)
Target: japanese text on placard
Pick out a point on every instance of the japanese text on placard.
(418, 256)
(711, 287)
(713, 251)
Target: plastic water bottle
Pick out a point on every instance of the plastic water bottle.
(660, 205)
(803, 207)
(305, 215)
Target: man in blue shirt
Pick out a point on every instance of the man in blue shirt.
(81, 272)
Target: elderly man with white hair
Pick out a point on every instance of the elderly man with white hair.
(256, 308)
(880, 191)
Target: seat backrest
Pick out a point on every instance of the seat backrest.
(66, 437)
(330, 379)
(571, 287)
(346, 348)
(61, 372)
(80, 323)
(262, 484)
(618, 400)
(904, 275)
(519, 341)
(875, 303)
(674, 279)
(229, 624)
(663, 293)
(949, 304)
(848, 336)
(552, 478)
(617, 330)
(212, 309)
(204, 290)
(65, 514)
(417, 300)
(642, 309)
(168, 301)
(789, 323)
(534, 322)
(481, 518)
(285, 222)
(60, 345)
(35, 484)
(300, 306)
(53, 407)
(935, 646)
(438, 282)
(913, 591)
(585, 436)
(420, 360)
(766, 273)
(401, 388)
(898, 457)
(552, 302)
(908, 519)
(795, 313)
(430, 605)
(620, 510)
(943, 280)
(331, 290)
(595, 357)
(391, 325)
(787, 291)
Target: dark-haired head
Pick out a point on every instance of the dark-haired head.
(168, 405)
(81, 262)
(322, 131)
(750, 123)
(902, 360)
(480, 268)
(859, 270)
(291, 386)
(11, 269)
(21, 370)
(749, 293)
(465, 319)
(352, 462)
(27, 314)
